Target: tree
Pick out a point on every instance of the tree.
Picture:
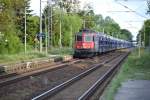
(88, 16)
(111, 27)
(19, 8)
(99, 23)
(126, 34)
(69, 6)
(70, 24)
(9, 42)
(145, 32)
(32, 29)
(148, 5)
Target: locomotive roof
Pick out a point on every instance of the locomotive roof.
(86, 30)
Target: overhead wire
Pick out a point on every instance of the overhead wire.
(132, 10)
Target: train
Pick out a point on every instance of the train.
(89, 43)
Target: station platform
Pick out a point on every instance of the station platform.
(134, 90)
(32, 63)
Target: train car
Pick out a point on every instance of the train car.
(89, 43)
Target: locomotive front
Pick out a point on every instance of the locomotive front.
(84, 44)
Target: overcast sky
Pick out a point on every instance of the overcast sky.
(119, 10)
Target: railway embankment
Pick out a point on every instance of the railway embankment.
(10, 63)
(133, 80)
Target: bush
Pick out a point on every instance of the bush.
(10, 44)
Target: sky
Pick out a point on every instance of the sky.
(129, 14)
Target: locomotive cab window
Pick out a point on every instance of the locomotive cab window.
(78, 38)
(88, 38)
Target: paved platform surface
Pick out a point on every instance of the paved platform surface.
(134, 90)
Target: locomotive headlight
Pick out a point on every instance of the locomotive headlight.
(83, 45)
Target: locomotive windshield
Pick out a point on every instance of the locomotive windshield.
(88, 38)
(78, 38)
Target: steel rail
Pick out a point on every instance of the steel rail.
(7, 79)
(101, 80)
(35, 72)
(57, 88)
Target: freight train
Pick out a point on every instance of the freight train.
(89, 43)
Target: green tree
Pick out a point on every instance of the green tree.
(148, 5)
(70, 24)
(9, 42)
(69, 6)
(145, 32)
(19, 8)
(126, 34)
(99, 23)
(32, 29)
(88, 16)
(111, 27)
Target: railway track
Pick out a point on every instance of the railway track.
(24, 87)
(83, 85)
(7, 79)
(94, 92)
(10, 70)
(11, 78)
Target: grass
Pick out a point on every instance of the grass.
(135, 68)
(61, 51)
(13, 58)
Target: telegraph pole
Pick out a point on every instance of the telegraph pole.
(51, 26)
(48, 24)
(144, 34)
(149, 42)
(60, 43)
(40, 27)
(140, 45)
(45, 35)
(25, 33)
(84, 23)
(103, 30)
(71, 36)
(60, 34)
